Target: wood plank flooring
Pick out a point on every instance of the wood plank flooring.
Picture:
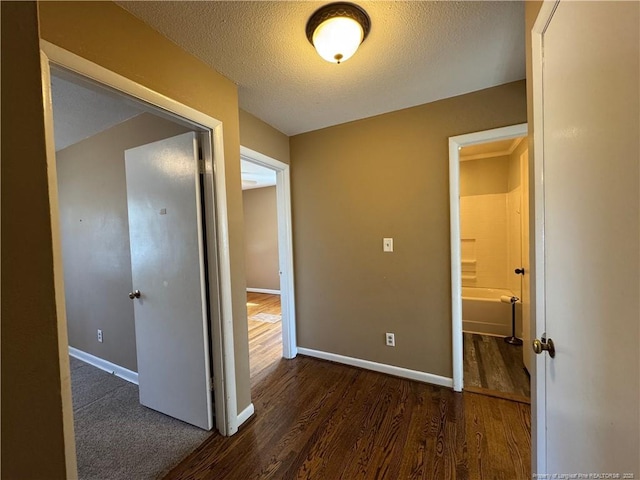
(494, 367)
(326, 421)
(265, 339)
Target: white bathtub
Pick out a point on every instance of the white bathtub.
(483, 312)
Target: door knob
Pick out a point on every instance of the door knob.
(519, 271)
(546, 344)
(134, 294)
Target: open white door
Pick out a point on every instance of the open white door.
(588, 201)
(167, 258)
(526, 262)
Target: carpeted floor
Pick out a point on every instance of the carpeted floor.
(116, 437)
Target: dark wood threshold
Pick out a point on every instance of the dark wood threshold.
(514, 397)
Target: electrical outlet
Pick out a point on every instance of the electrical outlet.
(99, 335)
(390, 339)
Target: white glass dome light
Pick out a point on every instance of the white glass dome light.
(337, 30)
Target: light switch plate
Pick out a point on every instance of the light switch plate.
(387, 244)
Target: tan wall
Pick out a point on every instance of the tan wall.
(261, 238)
(385, 176)
(92, 194)
(32, 391)
(105, 34)
(484, 176)
(262, 137)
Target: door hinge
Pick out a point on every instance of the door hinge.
(211, 384)
(200, 166)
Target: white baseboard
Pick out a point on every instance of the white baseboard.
(263, 290)
(380, 367)
(105, 365)
(244, 415)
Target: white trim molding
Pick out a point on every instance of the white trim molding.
(379, 367)
(263, 290)
(455, 144)
(246, 414)
(106, 365)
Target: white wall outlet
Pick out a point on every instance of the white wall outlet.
(387, 244)
(99, 335)
(390, 339)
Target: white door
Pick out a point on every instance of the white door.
(165, 228)
(591, 209)
(526, 262)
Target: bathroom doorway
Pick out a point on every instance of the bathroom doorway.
(489, 220)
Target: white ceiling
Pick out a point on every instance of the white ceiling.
(256, 176)
(80, 112)
(417, 52)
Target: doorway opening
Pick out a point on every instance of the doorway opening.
(269, 262)
(108, 157)
(164, 118)
(489, 244)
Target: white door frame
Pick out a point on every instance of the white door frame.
(538, 327)
(285, 246)
(216, 217)
(455, 144)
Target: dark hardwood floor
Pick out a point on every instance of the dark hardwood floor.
(265, 339)
(326, 421)
(494, 367)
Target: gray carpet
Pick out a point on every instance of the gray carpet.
(116, 437)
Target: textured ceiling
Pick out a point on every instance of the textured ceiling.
(80, 111)
(417, 52)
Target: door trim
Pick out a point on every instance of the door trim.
(455, 144)
(538, 374)
(285, 246)
(216, 213)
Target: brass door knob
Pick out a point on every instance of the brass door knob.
(546, 344)
(134, 294)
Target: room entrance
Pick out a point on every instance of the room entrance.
(490, 260)
(269, 262)
(136, 223)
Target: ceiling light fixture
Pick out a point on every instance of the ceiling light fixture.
(337, 30)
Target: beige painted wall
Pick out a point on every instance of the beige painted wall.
(32, 391)
(385, 176)
(262, 137)
(261, 238)
(484, 176)
(92, 192)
